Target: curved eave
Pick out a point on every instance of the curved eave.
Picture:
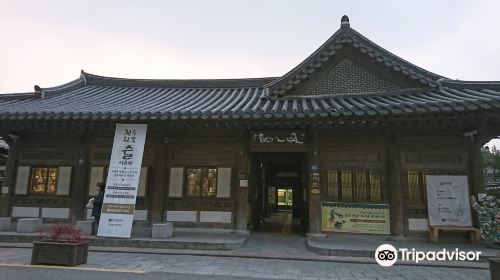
(80, 81)
(118, 103)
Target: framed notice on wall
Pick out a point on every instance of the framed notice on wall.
(355, 217)
(448, 201)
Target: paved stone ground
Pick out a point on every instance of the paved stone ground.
(254, 268)
(183, 238)
(273, 252)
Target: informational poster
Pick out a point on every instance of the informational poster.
(123, 180)
(355, 217)
(448, 201)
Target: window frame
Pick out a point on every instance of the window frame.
(30, 182)
(200, 194)
(367, 185)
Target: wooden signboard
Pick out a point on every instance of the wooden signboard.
(278, 137)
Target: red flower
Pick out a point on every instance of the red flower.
(64, 233)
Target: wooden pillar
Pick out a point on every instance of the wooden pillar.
(241, 197)
(476, 168)
(265, 188)
(158, 192)
(395, 188)
(7, 199)
(79, 193)
(254, 181)
(314, 188)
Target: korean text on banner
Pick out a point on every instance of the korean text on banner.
(448, 201)
(355, 217)
(123, 180)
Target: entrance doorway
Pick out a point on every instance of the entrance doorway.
(277, 195)
(285, 199)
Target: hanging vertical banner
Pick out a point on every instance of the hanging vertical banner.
(123, 180)
(448, 201)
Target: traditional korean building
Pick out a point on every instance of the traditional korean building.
(353, 123)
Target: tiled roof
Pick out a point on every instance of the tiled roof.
(346, 36)
(94, 97)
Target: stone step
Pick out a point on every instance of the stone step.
(181, 239)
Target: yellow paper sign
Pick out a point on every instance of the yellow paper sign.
(355, 217)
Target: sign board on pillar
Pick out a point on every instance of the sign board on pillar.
(448, 201)
(123, 181)
(315, 183)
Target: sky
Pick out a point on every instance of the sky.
(47, 43)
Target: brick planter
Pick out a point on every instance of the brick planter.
(54, 253)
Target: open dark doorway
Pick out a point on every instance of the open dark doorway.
(277, 196)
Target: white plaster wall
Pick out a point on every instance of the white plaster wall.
(181, 216)
(56, 213)
(96, 174)
(26, 212)
(23, 176)
(140, 215)
(175, 186)
(64, 180)
(224, 182)
(215, 217)
(418, 224)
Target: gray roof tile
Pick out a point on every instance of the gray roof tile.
(93, 97)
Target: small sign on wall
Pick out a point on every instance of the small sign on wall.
(315, 183)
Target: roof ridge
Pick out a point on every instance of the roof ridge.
(76, 82)
(93, 79)
(304, 62)
(394, 56)
(469, 83)
(19, 96)
(347, 35)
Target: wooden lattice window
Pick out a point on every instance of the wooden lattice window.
(44, 180)
(354, 186)
(417, 188)
(201, 181)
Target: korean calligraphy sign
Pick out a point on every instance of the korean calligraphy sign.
(278, 137)
(123, 180)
